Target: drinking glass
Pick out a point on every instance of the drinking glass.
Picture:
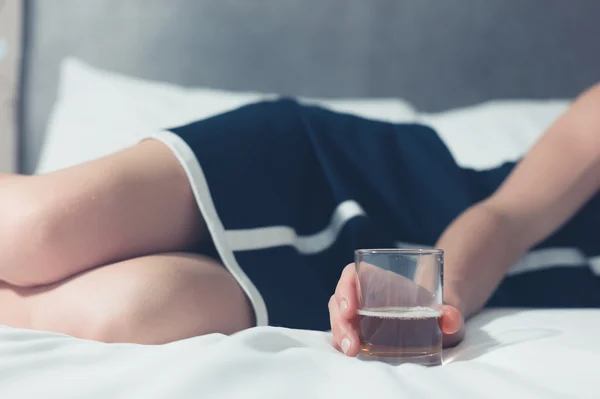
(400, 294)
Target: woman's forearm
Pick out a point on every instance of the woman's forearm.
(480, 246)
(554, 180)
(559, 175)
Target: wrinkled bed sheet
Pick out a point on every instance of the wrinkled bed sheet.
(521, 353)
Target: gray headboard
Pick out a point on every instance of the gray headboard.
(437, 54)
(10, 41)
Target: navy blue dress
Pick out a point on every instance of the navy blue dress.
(289, 191)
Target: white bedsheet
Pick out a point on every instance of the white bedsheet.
(507, 354)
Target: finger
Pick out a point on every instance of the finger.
(346, 293)
(452, 320)
(333, 322)
(452, 326)
(344, 333)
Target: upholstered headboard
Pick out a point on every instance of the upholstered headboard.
(437, 54)
(10, 42)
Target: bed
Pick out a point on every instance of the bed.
(81, 79)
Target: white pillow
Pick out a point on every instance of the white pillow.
(99, 112)
(488, 134)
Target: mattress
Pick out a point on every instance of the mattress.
(507, 353)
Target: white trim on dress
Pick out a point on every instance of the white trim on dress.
(199, 186)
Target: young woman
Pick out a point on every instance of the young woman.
(248, 218)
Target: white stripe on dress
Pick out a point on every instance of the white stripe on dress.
(277, 236)
(595, 264)
(542, 259)
(549, 257)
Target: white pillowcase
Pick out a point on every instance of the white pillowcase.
(99, 112)
(488, 134)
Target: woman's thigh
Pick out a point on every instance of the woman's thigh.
(133, 203)
(149, 300)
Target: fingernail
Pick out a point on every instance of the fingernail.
(344, 306)
(345, 345)
(453, 324)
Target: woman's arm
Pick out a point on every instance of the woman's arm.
(554, 180)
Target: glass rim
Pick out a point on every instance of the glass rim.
(399, 251)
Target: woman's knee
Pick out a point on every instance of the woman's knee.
(150, 300)
(26, 222)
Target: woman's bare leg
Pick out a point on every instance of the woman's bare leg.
(149, 300)
(130, 204)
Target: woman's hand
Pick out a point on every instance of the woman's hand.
(344, 320)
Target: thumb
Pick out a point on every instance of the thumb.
(452, 325)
